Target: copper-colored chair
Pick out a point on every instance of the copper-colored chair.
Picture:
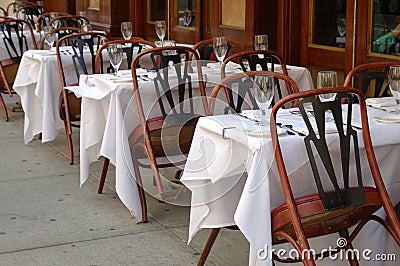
(170, 132)
(370, 78)
(45, 18)
(60, 32)
(136, 45)
(30, 13)
(238, 98)
(69, 21)
(342, 200)
(265, 60)
(13, 7)
(83, 49)
(16, 44)
(4, 11)
(206, 51)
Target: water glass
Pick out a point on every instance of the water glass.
(220, 47)
(161, 28)
(394, 82)
(327, 79)
(261, 42)
(115, 54)
(50, 35)
(264, 89)
(86, 28)
(126, 29)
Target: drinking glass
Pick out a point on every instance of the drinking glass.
(126, 29)
(394, 84)
(86, 28)
(264, 89)
(327, 79)
(160, 30)
(260, 42)
(115, 55)
(50, 36)
(220, 47)
(187, 18)
(39, 3)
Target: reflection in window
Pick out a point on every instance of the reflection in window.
(329, 24)
(386, 27)
(186, 11)
(157, 10)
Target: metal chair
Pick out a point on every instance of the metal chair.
(370, 78)
(82, 52)
(168, 133)
(206, 51)
(30, 13)
(60, 32)
(342, 200)
(15, 41)
(237, 98)
(69, 21)
(135, 46)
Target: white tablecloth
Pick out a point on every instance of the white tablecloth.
(3, 49)
(235, 182)
(109, 115)
(38, 84)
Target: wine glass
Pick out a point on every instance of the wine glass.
(261, 42)
(50, 36)
(220, 47)
(126, 29)
(86, 28)
(160, 30)
(115, 55)
(264, 89)
(394, 84)
(327, 79)
(341, 27)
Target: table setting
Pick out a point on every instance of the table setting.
(240, 183)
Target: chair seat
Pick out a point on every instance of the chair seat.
(317, 221)
(174, 139)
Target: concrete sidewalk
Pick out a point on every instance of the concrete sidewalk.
(46, 219)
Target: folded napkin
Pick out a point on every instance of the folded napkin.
(381, 102)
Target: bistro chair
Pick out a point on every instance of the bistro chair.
(370, 78)
(13, 7)
(69, 21)
(15, 42)
(167, 125)
(60, 32)
(82, 52)
(236, 98)
(264, 60)
(30, 13)
(135, 46)
(206, 51)
(343, 199)
(3, 11)
(45, 18)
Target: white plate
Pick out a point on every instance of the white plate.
(388, 119)
(260, 132)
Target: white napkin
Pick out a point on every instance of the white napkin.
(381, 102)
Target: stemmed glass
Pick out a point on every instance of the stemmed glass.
(50, 36)
(341, 27)
(260, 42)
(187, 18)
(264, 89)
(126, 29)
(394, 84)
(327, 79)
(115, 55)
(220, 47)
(160, 30)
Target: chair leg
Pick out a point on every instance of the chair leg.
(4, 107)
(207, 248)
(142, 195)
(69, 142)
(103, 175)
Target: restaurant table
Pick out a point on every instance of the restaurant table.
(234, 180)
(3, 50)
(38, 84)
(109, 115)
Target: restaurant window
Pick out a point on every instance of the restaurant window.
(329, 22)
(186, 13)
(385, 31)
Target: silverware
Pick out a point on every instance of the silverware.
(291, 130)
